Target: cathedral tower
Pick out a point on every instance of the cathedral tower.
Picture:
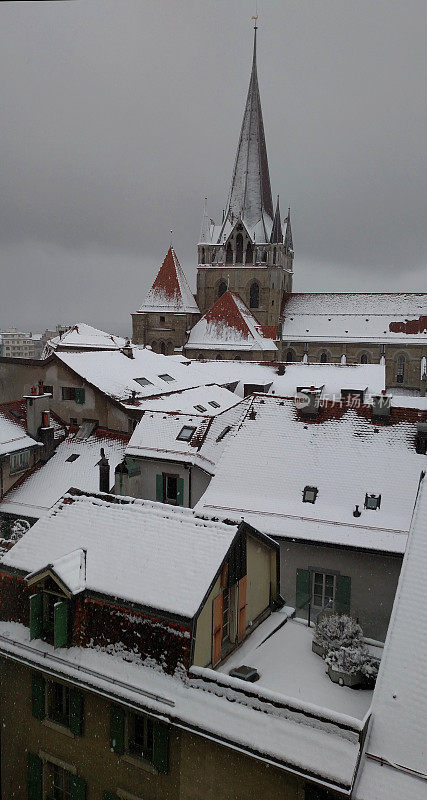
(248, 253)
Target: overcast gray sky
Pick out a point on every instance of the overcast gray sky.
(118, 116)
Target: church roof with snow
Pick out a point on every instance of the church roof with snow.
(229, 325)
(170, 290)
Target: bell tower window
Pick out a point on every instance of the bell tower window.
(203, 259)
(239, 248)
(254, 296)
(222, 288)
(249, 253)
(229, 254)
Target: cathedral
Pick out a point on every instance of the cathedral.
(244, 307)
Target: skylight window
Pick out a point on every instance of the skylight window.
(185, 433)
(224, 433)
(309, 494)
(73, 457)
(166, 377)
(214, 404)
(143, 381)
(200, 408)
(372, 501)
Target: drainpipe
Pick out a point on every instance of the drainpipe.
(188, 466)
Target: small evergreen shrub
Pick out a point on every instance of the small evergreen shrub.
(337, 630)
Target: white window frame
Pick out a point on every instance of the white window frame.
(313, 581)
(19, 461)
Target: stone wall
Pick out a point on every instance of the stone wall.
(271, 281)
(162, 332)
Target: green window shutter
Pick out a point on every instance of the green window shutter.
(35, 777)
(78, 788)
(76, 712)
(342, 594)
(117, 730)
(38, 691)
(161, 747)
(159, 488)
(302, 594)
(36, 615)
(61, 623)
(80, 396)
(180, 491)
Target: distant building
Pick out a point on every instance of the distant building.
(17, 344)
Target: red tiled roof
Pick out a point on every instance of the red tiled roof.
(170, 288)
(269, 331)
(409, 326)
(227, 312)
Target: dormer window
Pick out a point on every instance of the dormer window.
(309, 494)
(372, 501)
(186, 433)
(49, 615)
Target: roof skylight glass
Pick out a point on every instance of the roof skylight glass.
(214, 404)
(200, 408)
(143, 381)
(166, 377)
(185, 433)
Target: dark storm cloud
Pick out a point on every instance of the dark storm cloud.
(117, 118)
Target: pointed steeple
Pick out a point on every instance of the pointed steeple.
(250, 192)
(205, 230)
(170, 290)
(276, 232)
(289, 245)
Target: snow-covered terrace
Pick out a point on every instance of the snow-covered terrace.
(343, 454)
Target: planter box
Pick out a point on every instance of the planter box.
(355, 679)
(319, 649)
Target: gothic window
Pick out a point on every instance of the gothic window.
(400, 369)
(163, 348)
(203, 261)
(264, 256)
(249, 253)
(154, 347)
(239, 248)
(237, 358)
(363, 358)
(222, 288)
(289, 356)
(274, 255)
(254, 295)
(229, 254)
(323, 358)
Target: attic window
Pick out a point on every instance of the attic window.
(224, 433)
(73, 457)
(166, 377)
(214, 404)
(200, 408)
(372, 501)
(185, 433)
(309, 494)
(143, 381)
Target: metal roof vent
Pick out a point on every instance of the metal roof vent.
(244, 673)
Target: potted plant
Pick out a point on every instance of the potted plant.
(345, 665)
(334, 631)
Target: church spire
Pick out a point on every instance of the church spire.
(277, 233)
(205, 235)
(289, 245)
(250, 192)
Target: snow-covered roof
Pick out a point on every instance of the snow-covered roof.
(156, 436)
(117, 375)
(212, 397)
(355, 317)
(70, 570)
(229, 325)
(46, 484)
(146, 553)
(334, 377)
(170, 290)
(13, 435)
(395, 759)
(85, 337)
(271, 458)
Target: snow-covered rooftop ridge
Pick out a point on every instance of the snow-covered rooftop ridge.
(344, 455)
(170, 290)
(74, 463)
(394, 764)
(147, 553)
(229, 325)
(85, 337)
(211, 399)
(358, 316)
(13, 435)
